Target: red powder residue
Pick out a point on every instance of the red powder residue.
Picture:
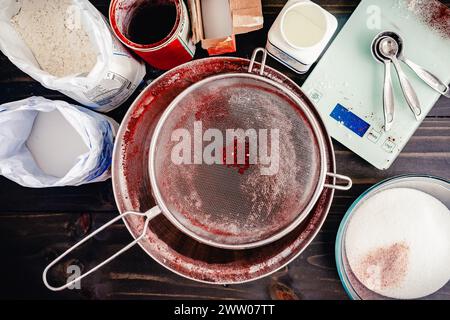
(204, 112)
(208, 228)
(236, 149)
(385, 267)
(433, 13)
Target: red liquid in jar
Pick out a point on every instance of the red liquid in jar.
(152, 22)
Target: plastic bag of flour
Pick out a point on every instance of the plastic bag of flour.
(20, 133)
(114, 76)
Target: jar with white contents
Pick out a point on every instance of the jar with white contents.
(300, 34)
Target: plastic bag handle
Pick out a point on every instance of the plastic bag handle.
(150, 214)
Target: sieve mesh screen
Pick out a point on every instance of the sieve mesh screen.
(232, 202)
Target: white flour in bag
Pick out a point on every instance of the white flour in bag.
(115, 76)
(52, 30)
(55, 144)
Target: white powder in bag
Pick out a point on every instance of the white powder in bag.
(53, 31)
(55, 144)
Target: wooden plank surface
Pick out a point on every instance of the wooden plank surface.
(37, 224)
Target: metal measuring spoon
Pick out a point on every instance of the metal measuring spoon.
(388, 95)
(426, 76)
(429, 78)
(389, 49)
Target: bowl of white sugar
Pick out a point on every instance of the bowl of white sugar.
(394, 241)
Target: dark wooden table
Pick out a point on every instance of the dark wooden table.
(37, 224)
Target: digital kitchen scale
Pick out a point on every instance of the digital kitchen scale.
(347, 84)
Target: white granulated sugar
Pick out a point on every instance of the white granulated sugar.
(398, 243)
(53, 31)
(55, 144)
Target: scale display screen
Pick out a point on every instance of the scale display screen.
(350, 120)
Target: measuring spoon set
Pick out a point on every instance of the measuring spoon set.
(387, 48)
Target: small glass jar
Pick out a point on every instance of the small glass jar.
(300, 34)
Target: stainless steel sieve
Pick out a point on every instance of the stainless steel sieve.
(229, 204)
(235, 206)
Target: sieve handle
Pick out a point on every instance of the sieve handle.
(263, 60)
(335, 186)
(150, 214)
